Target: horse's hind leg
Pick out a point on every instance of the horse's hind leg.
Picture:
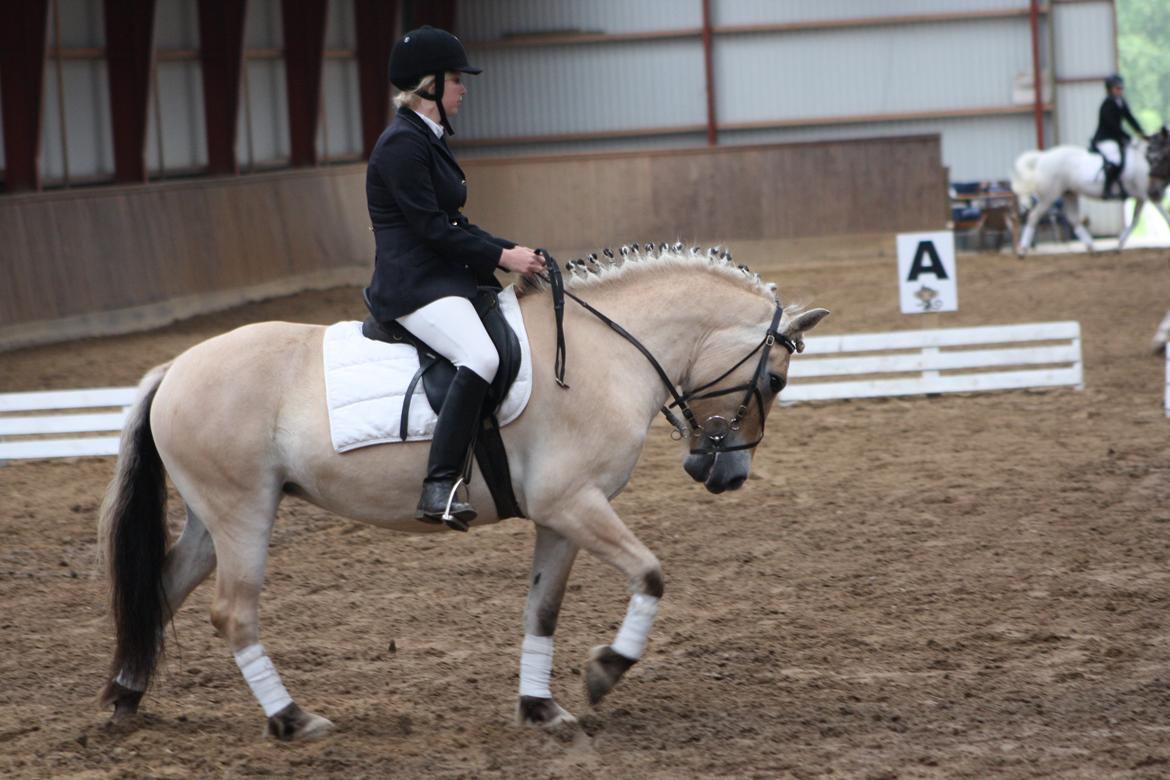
(1034, 216)
(241, 544)
(1138, 205)
(552, 560)
(187, 564)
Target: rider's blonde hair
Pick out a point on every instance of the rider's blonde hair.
(410, 97)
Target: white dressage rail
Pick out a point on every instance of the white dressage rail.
(870, 365)
(951, 360)
(32, 424)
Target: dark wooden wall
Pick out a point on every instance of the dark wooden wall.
(88, 262)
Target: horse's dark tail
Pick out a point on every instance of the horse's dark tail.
(132, 541)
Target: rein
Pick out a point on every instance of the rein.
(715, 428)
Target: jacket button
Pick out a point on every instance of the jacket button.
(463, 181)
(454, 223)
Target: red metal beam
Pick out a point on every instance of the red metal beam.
(23, 30)
(304, 50)
(377, 28)
(129, 59)
(1037, 75)
(221, 54)
(709, 74)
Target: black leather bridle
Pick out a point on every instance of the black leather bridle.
(715, 428)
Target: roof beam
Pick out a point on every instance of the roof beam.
(23, 31)
(221, 54)
(304, 45)
(129, 60)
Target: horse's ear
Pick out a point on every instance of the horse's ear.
(806, 320)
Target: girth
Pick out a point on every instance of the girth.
(437, 372)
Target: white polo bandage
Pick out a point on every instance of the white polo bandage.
(263, 679)
(631, 637)
(536, 660)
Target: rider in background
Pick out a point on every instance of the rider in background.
(429, 258)
(1113, 110)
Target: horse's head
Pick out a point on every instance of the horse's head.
(730, 407)
(1158, 155)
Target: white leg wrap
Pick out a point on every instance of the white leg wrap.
(536, 659)
(631, 637)
(262, 678)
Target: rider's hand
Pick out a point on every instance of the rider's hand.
(521, 260)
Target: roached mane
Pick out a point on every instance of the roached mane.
(609, 266)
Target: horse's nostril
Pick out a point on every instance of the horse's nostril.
(736, 483)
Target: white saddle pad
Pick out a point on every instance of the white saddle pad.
(366, 381)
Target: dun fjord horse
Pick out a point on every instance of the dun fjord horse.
(1072, 171)
(719, 336)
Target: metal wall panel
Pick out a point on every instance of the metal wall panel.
(262, 25)
(339, 25)
(176, 24)
(591, 146)
(769, 76)
(265, 109)
(477, 20)
(82, 23)
(180, 108)
(1076, 112)
(87, 122)
(742, 12)
(1084, 40)
(339, 134)
(534, 90)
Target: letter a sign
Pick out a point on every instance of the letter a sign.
(926, 272)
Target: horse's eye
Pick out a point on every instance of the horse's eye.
(777, 382)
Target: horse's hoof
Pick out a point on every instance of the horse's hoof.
(125, 701)
(604, 669)
(292, 724)
(544, 713)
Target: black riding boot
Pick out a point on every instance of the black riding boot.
(459, 419)
(1112, 183)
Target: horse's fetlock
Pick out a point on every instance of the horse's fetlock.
(652, 582)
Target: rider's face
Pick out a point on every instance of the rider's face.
(453, 92)
(1117, 90)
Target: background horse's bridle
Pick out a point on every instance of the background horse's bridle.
(716, 428)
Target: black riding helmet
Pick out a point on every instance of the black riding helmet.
(1114, 81)
(428, 51)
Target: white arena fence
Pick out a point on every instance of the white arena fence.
(949, 360)
(72, 423)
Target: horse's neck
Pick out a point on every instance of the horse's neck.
(677, 319)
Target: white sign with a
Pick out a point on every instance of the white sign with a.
(926, 272)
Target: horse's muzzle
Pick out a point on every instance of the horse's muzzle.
(719, 471)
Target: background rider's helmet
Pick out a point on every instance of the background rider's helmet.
(1114, 81)
(428, 51)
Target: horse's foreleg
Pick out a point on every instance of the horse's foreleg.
(552, 560)
(591, 524)
(243, 552)
(1137, 212)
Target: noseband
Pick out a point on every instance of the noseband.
(716, 428)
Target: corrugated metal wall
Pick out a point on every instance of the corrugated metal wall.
(782, 72)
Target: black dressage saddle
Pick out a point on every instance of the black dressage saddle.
(436, 373)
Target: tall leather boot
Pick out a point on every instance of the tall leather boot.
(1112, 188)
(459, 420)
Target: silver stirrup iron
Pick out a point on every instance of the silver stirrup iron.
(451, 499)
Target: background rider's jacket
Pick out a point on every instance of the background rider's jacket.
(425, 248)
(1109, 122)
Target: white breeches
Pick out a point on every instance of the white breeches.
(452, 327)
(1110, 151)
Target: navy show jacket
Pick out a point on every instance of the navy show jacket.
(425, 249)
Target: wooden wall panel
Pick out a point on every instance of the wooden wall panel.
(83, 262)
